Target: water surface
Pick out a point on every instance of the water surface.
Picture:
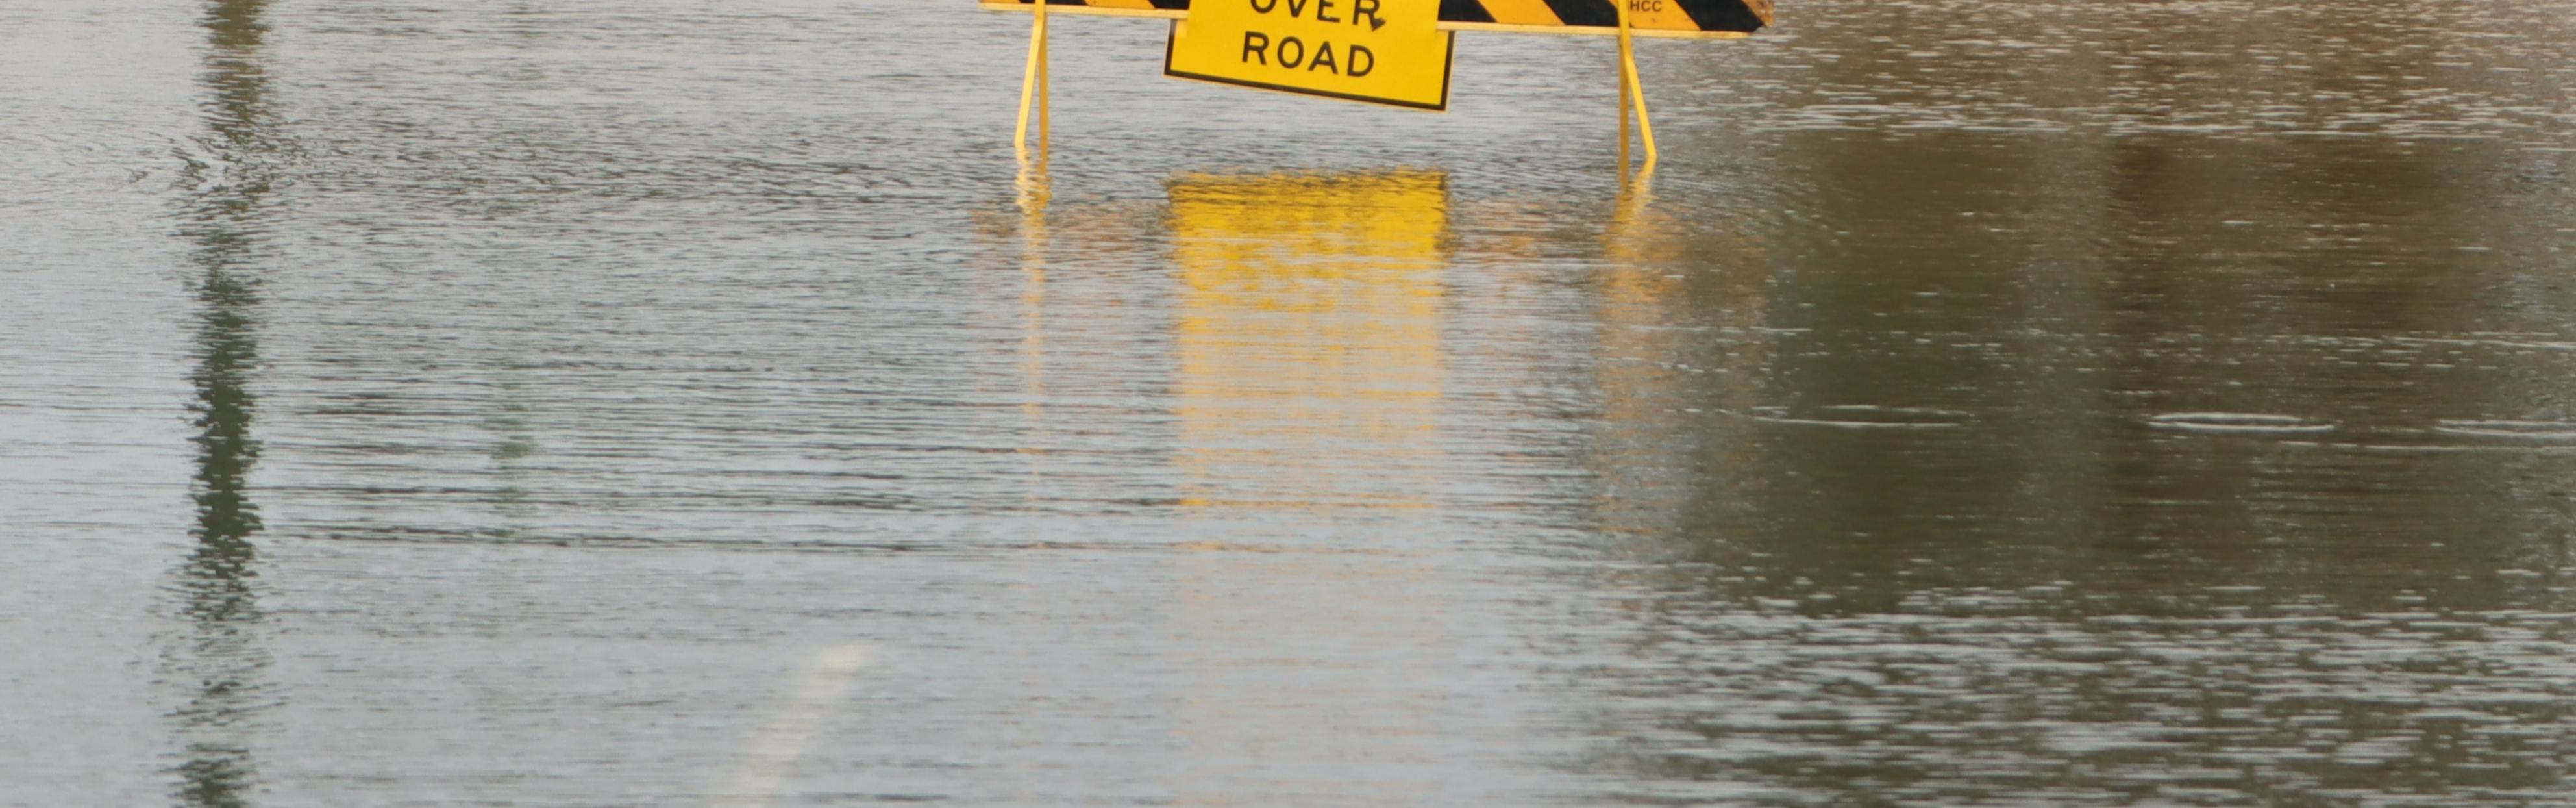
(669, 404)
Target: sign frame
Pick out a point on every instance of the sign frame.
(1141, 9)
(1517, 16)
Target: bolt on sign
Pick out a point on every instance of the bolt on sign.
(1378, 51)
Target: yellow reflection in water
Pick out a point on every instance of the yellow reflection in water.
(1309, 337)
(1036, 189)
(1309, 388)
(1680, 362)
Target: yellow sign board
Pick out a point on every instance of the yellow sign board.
(1379, 51)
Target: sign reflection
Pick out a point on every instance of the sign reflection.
(1308, 388)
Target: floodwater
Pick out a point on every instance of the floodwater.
(2045, 403)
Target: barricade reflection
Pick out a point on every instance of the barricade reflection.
(1309, 338)
(1308, 395)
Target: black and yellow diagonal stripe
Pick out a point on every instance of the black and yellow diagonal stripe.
(1691, 16)
(1701, 18)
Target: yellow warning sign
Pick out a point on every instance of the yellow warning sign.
(1380, 51)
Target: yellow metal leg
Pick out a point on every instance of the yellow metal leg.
(1624, 90)
(1633, 92)
(1033, 83)
(1046, 92)
(1035, 187)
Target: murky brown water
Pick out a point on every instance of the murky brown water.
(1986, 403)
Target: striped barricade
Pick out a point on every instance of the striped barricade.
(1708, 19)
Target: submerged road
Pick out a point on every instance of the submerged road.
(674, 404)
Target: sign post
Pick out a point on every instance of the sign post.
(1033, 84)
(1630, 90)
(1378, 51)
